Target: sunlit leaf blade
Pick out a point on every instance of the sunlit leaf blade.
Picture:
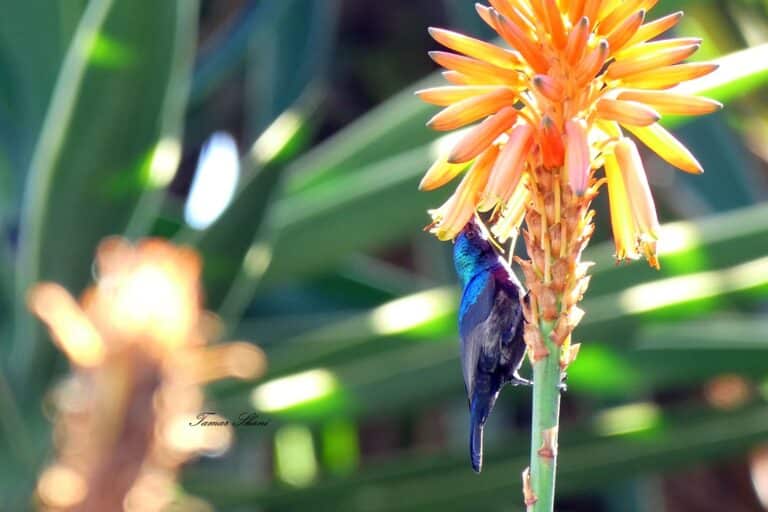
(29, 63)
(285, 92)
(354, 204)
(420, 329)
(588, 461)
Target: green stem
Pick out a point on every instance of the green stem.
(546, 413)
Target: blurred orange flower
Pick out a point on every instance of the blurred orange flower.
(136, 343)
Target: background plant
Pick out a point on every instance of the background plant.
(319, 257)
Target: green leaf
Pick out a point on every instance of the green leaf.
(29, 63)
(589, 459)
(110, 140)
(284, 77)
(380, 355)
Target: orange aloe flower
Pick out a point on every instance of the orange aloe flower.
(548, 113)
(578, 75)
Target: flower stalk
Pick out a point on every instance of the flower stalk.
(552, 111)
(545, 425)
(558, 227)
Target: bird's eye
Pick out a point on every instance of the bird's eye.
(471, 234)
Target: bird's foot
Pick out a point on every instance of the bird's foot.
(517, 380)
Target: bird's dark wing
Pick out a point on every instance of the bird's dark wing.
(477, 302)
(509, 298)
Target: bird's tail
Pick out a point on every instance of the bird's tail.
(476, 424)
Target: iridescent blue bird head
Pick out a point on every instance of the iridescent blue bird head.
(473, 252)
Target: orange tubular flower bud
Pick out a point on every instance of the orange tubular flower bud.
(518, 17)
(457, 78)
(554, 22)
(470, 110)
(607, 7)
(485, 14)
(516, 38)
(549, 87)
(552, 148)
(476, 68)
(654, 47)
(575, 10)
(445, 96)
(664, 144)
(577, 159)
(670, 103)
(622, 12)
(454, 214)
(627, 112)
(440, 173)
(670, 76)
(577, 41)
(591, 8)
(593, 62)
(656, 28)
(625, 68)
(475, 48)
(480, 137)
(508, 169)
(636, 182)
(622, 221)
(514, 212)
(621, 35)
(537, 9)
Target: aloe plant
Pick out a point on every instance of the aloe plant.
(319, 257)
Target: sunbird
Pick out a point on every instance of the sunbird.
(490, 326)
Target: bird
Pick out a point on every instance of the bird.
(491, 325)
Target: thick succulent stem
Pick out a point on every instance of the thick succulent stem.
(544, 426)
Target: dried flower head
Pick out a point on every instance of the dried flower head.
(580, 73)
(136, 343)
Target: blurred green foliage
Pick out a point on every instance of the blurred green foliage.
(319, 257)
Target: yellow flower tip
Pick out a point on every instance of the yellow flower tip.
(649, 250)
(440, 173)
(664, 144)
(459, 209)
(638, 191)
